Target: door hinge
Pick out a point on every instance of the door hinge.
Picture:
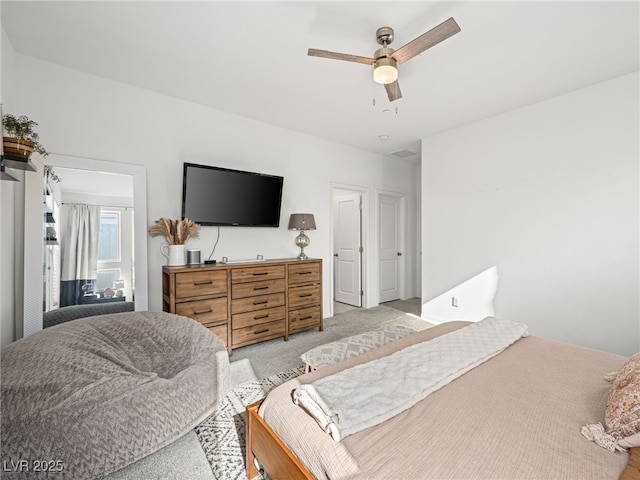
(360, 249)
(362, 293)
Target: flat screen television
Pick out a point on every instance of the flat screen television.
(221, 196)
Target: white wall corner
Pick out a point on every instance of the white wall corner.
(471, 300)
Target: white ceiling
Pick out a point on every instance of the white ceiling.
(87, 182)
(250, 58)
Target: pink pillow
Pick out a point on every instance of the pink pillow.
(622, 416)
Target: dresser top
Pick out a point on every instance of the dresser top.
(237, 264)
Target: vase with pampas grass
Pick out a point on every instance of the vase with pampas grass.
(176, 232)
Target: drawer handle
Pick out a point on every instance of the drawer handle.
(202, 312)
(260, 317)
(306, 295)
(261, 331)
(260, 288)
(261, 302)
(260, 273)
(306, 318)
(197, 284)
(305, 273)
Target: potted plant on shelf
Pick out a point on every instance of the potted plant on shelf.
(20, 137)
(176, 232)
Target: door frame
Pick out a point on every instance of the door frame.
(402, 196)
(336, 189)
(355, 298)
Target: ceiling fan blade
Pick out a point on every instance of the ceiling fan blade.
(393, 91)
(313, 52)
(426, 40)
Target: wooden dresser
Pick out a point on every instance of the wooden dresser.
(247, 303)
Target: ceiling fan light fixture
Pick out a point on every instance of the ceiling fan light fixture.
(386, 59)
(385, 71)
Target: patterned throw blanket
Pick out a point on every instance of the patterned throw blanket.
(368, 394)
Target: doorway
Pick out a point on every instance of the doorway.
(348, 252)
(391, 246)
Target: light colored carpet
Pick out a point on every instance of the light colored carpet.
(269, 358)
(242, 372)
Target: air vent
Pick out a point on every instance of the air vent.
(404, 153)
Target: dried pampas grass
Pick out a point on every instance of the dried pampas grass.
(177, 232)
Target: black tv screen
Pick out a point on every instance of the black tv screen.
(220, 196)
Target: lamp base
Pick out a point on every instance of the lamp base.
(302, 241)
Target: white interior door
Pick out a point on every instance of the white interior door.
(347, 251)
(390, 243)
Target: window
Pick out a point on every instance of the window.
(109, 237)
(109, 254)
(107, 278)
(115, 247)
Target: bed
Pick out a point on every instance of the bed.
(517, 415)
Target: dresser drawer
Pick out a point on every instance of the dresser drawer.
(195, 284)
(304, 319)
(204, 311)
(220, 331)
(247, 303)
(262, 287)
(301, 296)
(251, 274)
(248, 319)
(304, 273)
(258, 333)
(257, 303)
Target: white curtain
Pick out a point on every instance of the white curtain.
(79, 252)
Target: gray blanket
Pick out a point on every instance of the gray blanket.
(88, 397)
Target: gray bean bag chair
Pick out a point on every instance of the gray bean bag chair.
(93, 395)
(73, 312)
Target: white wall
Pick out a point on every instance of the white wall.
(8, 190)
(549, 194)
(86, 116)
(471, 300)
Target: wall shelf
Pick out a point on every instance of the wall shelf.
(18, 162)
(7, 174)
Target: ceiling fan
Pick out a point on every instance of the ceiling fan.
(385, 59)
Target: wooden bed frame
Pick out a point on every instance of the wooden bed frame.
(632, 472)
(274, 456)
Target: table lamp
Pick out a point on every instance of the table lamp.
(302, 222)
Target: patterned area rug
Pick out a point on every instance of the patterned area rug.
(222, 435)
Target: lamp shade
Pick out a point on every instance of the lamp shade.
(302, 221)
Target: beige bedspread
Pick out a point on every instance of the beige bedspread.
(517, 416)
